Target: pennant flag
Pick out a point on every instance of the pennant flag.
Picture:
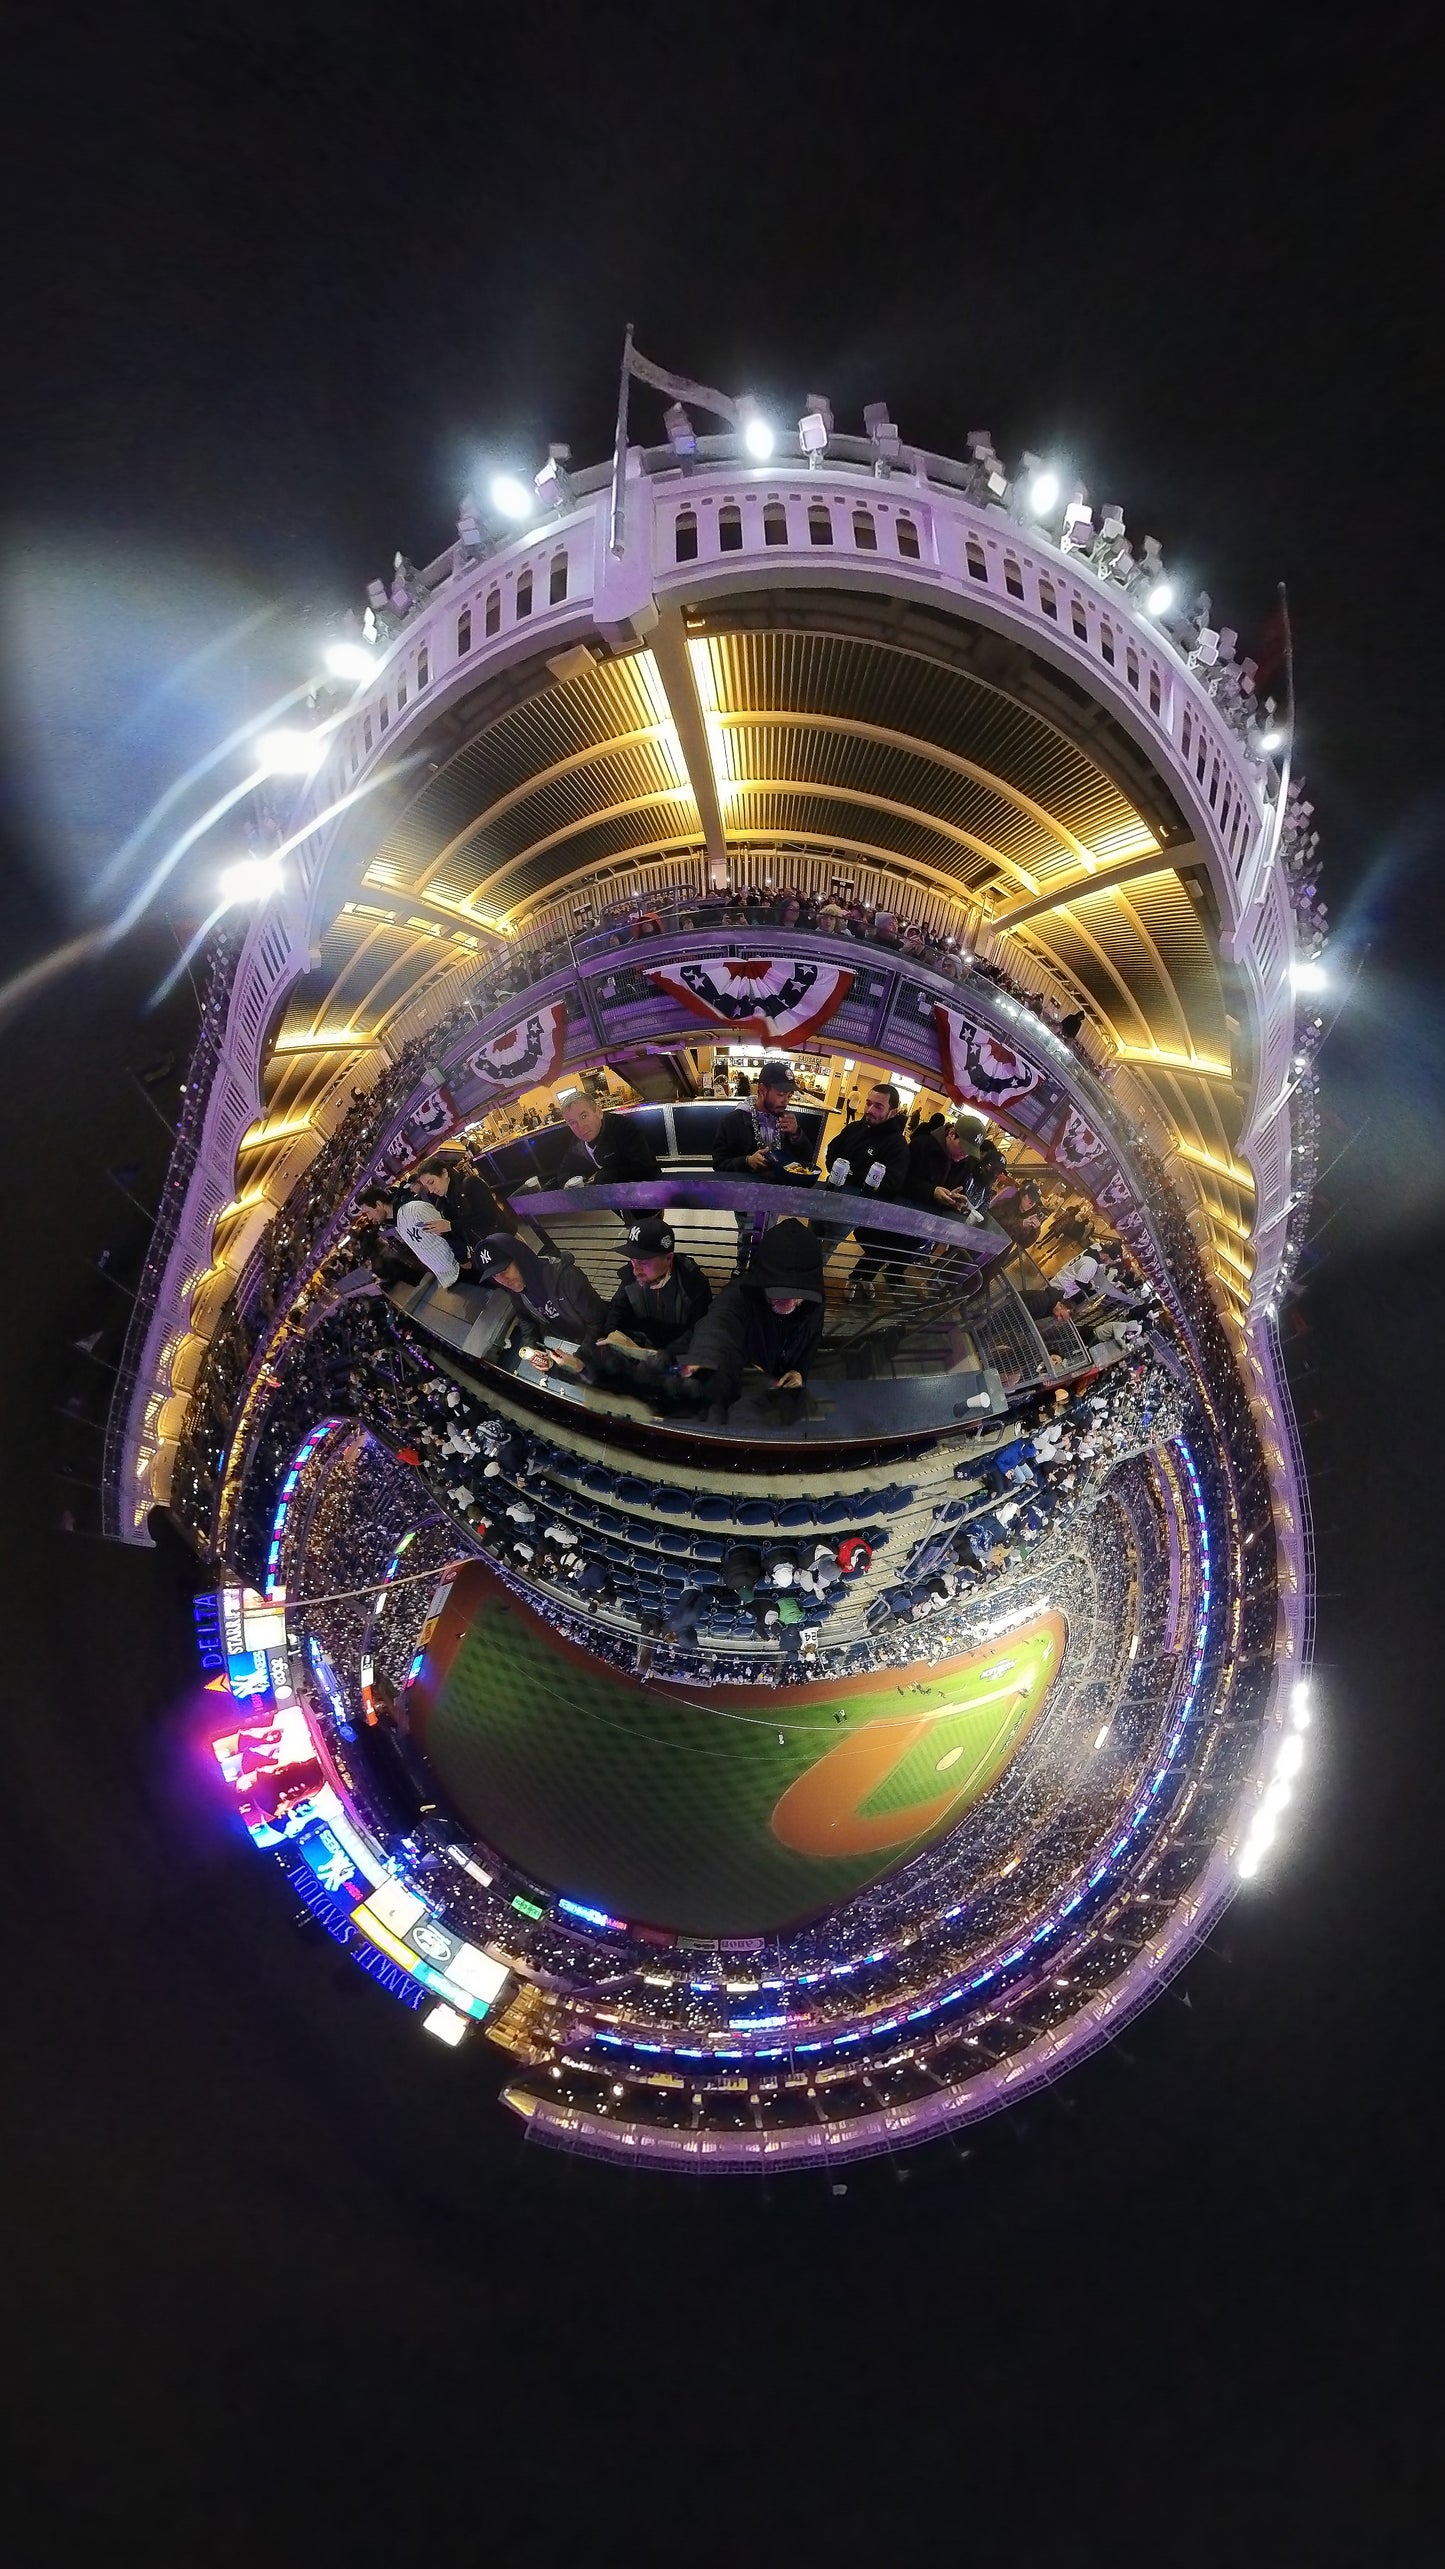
(679, 387)
(88, 1346)
(524, 1055)
(977, 1069)
(218, 1685)
(774, 998)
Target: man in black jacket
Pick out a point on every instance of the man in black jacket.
(606, 1149)
(770, 1316)
(760, 1142)
(870, 1156)
(661, 1293)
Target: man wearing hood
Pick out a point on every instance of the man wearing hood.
(770, 1316)
(551, 1297)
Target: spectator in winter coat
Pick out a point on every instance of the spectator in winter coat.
(552, 1298)
(467, 1201)
(870, 1156)
(771, 1316)
(760, 1142)
(661, 1293)
(606, 1149)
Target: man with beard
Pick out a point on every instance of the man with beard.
(661, 1293)
(870, 1156)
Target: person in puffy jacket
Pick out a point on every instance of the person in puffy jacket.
(770, 1316)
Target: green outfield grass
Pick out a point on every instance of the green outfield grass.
(687, 1813)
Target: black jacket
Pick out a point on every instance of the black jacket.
(929, 1166)
(737, 1137)
(473, 1211)
(621, 1155)
(658, 1315)
(557, 1300)
(742, 1327)
(861, 1144)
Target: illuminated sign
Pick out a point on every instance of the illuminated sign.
(210, 1633)
(265, 1626)
(271, 1766)
(249, 1672)
(332, 1863)
(398, 1920)
(589, 1917)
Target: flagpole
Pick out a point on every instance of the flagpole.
(616, 534)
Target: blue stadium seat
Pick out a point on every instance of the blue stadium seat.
(714, 1510)
(673, 1502)
(797, 1512)
(756, 1512)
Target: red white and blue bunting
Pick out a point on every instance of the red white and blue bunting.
(774, 999)
(1078, 1144)
(524, 1055)
(977, 1069)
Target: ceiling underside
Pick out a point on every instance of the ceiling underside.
(883, 734)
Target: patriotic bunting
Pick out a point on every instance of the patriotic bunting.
(977, 1069)
(435, 1116)
(775, 999)
(1078, 1143)
(524, 1055)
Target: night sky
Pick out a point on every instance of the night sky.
(284, 2281)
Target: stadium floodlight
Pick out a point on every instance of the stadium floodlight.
(445, 2022)
(815, 427)
(1308, 976)
(1160, 598)
(681, 434)
(1291, 1755)
(883, 435)
(552, 485)
(1271, 740)
(510, 497)
(1043, 493)
(291, 753)
(758, 436)
(350, 660)
(1300, 1706)
(252, 878)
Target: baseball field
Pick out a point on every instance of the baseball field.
(728, 1812)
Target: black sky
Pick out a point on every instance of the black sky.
(287, 2285)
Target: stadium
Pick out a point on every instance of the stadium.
(714, 1318)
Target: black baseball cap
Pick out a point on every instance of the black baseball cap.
(776, 1074)
(649, 1236)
